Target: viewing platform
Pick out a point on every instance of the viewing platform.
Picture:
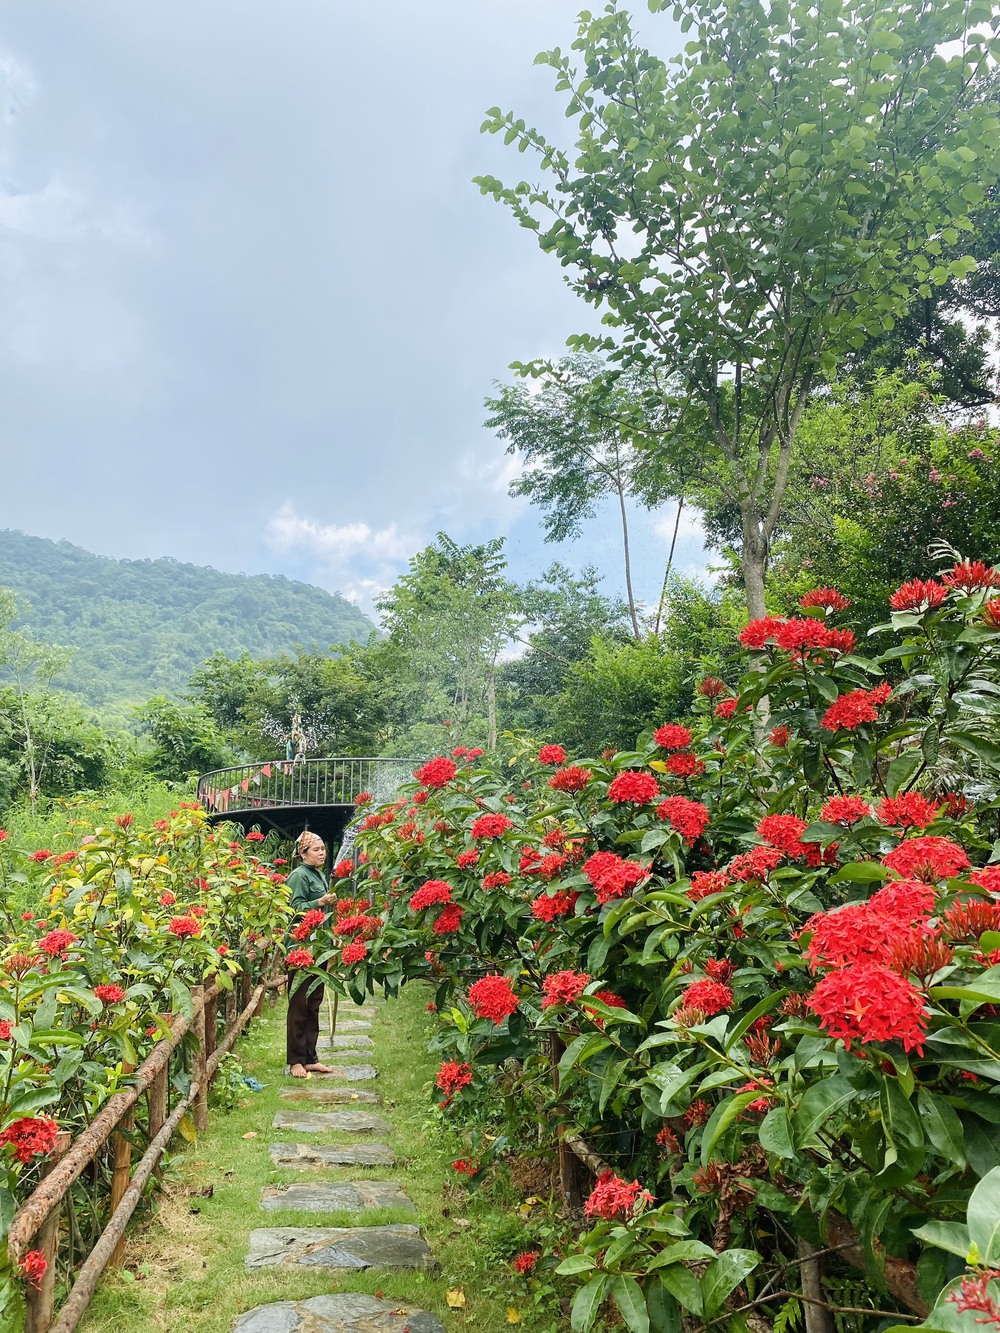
(289, 795)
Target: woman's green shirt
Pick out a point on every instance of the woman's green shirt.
(308, 885)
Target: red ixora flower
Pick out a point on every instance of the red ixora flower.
(437, 772)
(353, 953)
(911, 810)
(971, 576)
(991, 613)
(684, 763)
(824, 599)
(41, 855)
(451, 1077)
(363, 798)
(755, 864)
(34, 1266)
(710, 688)
(783, 832)
(255, 836)
(572, 778)
(868, 1002)
(57, 941)
(184, 925)
(490, 826)
(547, 906)
(448, 920)
(724, 709)
(499, 879)
(780, 737)
(466, 1166)
(707, 996)
(5, 1028)
(927, 858)
(918, 595)
(552, 754)
(563, 987)
(972, 1296)
(844, 810)
(344, 869)
(525, 1263)
(493, 997)
(706, 882)
(672, 737)
(299, 958)
(849, 711)
(612, 876)
(633, 786)
(433, 891)
(614, 1197)
(756, 633)
(689, 818)
(33, 1136)
(470, 857)
(109, 993)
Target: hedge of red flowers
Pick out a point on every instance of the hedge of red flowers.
(120, 926)
(765, 943)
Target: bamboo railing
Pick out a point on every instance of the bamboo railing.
(35, 1225)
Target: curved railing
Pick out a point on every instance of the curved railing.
(301, 782)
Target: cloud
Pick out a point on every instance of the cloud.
(288, 530)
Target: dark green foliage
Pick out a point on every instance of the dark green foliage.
(142, 626)
(70, 752)
(184, 739)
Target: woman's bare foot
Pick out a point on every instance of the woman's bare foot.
(299, 1071)
(320, 1069)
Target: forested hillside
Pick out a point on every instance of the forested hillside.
(141, 627)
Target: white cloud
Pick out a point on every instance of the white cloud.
(288, 530)
(690, 529)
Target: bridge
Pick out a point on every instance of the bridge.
(289, 795)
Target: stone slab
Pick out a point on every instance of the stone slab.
(343, 1057)
(399, 1246)
(353, 1196)
(347, 1154)
(348, 1073)
(353, 1025)
(345, 1122)
(347, 1041)
(329, 1096)
(347, 1312)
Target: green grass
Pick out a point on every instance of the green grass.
(185, 1270)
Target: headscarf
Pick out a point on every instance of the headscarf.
(307, 840)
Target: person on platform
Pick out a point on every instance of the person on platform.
(309, 889)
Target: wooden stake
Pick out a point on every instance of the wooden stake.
(40, 1301)
(211, 1016)
(122, 1168)
(199, 1073)
(568, 1174)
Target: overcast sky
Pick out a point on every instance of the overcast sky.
(251, 300)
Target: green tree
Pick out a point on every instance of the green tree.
(744, 216)
(183, 739)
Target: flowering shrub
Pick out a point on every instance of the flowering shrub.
(769, 968)
(122, 927)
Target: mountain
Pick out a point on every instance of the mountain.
(140, 627)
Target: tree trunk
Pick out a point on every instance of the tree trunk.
(753, 558)
(628, 565)
(491, 708)
(670, 564)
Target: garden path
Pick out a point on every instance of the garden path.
(338, 1114)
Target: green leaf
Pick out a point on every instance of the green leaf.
(942, 1126)
(723, 1274)
(901, 770)
(683, 1285)
(987, 751)
(576, 1263)
(587, 1302)
(818, 1104)
(722, 1117)
(983, 1217)
(775, 1133)
(748, 1020)
(950, 1236)
(860, 872)
(631, 1303)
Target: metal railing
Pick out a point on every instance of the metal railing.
(294, 782)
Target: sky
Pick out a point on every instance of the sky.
(253, 301)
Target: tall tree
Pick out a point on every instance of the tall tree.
(28, 667)
(744, 215)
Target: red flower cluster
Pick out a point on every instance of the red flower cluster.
(547, 906)
(42, 854)
(499, 879)
(563, 987)
(109, 993)
(711, 687)
(57, 941)
(783, 832)
(299, 958)
(466, 1166)
(689, 818)
(449, 919)
(470, 857)
(633, 786)
(706, 882)
(433, 891)
(343, 869)
(353, 952)
(437, 772)
(780, 737)
(724, 709)
(493, 997)
(452, 1077)
(918, 595)
(525, 1263)
(552, 754)
(825, 599)
(911, 810)
(313, 918)
(969, 919)
(5, 1029)
(614, 1197)
(845, 810)
(255, 836)
(708, 997)
(363, 798)
(572, 778)
(184, 925)
(971, 576)
(988, 878)
(167, 899)
(551, 866)
(719, 969)
(991, 613)
(612, 876)
(868, 1002)
(685, 764)
(34, 1266)
(973, 1296)
(852, 934)
(34, 1136)
(491, 826)
(799, 636)
(927, 858)
(849, 711)
(755, 864)
(672, 737)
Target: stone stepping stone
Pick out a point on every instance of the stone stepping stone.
(315, 1122)
(330, 1096)
(399, 1246)
(345, 1057)
(330, 1196)
(348, 1312)
(347, 1040)
(347, 1154)
(352, 1073)
(353, 1025)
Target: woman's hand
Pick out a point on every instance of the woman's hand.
(326, 900)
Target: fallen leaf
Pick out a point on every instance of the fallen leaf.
(513, 1316)
(455, 1298)
(251, 1135)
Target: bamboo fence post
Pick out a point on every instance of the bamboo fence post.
(199, 1072)
(157, 1099)
(122, 1168)
(211, 1015)
(568, 1175)
(231, 1009)
(40, 1300)
(246, 988)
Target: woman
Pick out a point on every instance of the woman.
(309, 889)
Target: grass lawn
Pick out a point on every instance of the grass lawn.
(184, 1270)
